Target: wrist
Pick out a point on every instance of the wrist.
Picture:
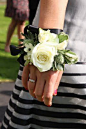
(52, 13)
(47, 25)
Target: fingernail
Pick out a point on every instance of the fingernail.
(48, 105)
(34, 96)
(55, 92)
(42, 99)
(26, 88)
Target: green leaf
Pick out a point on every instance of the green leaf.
(70, 52)
(22, 40)
(67, 61)
(62, 37)
(30, 35)
(59, 59)
(36, 37)
(70, 60)
(23, 34)
(20, 45)
(60, 67)
(26, 62)
(27, 41)
(26, 36)
(57, 66)
(61, 52)
(22, 52)
(69, 56)
(35, 43)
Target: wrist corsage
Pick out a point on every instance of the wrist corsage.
(47, 51)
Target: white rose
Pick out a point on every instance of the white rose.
(46, 36)
(53, 38)
(43, 35)
(43, 57)
(62, 45)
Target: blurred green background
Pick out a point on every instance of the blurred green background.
(8, 64)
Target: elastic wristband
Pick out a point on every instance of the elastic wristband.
(34, 30)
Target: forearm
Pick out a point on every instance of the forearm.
(52, 13)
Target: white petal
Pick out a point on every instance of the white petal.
(26, 49)
(62, 45)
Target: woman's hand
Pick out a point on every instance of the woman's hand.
(45, 83)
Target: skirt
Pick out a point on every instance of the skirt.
(17, 9)
(67, 111)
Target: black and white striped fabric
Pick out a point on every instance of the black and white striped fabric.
(69, 106)
(68, 109)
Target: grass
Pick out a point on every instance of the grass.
(8, 64)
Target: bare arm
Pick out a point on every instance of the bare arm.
(52, 13)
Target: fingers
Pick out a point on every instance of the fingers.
(25, 76)
(31, 85)
(48, 94)
(58, 79)
(45, 85)
(55, 92)
(49, 88)
(57, 82)
(39, 86)
(36, 89)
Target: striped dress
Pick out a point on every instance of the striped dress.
(68, 110)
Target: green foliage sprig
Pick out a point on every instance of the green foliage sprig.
(56, 43)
